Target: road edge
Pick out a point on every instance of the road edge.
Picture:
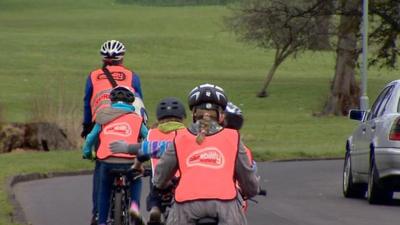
(17, 214)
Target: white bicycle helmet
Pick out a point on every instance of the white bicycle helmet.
(112, 50)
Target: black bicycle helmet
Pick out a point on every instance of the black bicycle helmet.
(233, 117)
(207, 96)
(170, 107)
(122, 94)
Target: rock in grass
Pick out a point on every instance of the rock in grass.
(34, 136)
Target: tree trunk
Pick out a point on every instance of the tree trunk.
(345, 92)
(263, 92)
(321, 36)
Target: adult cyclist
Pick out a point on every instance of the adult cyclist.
(99, 84)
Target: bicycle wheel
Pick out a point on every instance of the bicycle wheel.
(118, 208)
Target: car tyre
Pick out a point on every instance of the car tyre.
(351, 189)
(377, 194)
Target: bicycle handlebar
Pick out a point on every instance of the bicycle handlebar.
(139, 173)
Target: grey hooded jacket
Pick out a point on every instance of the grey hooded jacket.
(228, 212)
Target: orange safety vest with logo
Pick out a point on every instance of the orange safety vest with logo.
(207, 170)
(126, 128)
(157, 135)
(102, 86)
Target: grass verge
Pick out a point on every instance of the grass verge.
(16, 163)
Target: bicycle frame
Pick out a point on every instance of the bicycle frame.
(120, 198)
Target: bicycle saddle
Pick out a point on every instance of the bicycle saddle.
(207, 221)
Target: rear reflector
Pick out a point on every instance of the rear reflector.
(120, 182)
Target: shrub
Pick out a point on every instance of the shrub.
(57, 107)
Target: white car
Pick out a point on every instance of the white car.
(372, 160)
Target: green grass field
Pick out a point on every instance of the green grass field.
(49, 47)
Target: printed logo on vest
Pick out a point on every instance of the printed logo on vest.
(118, 76)
(103, 97)
(120, 129)
(209, 157)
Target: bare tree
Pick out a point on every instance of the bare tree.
(345, 92)
(287, 26)
(284, 25)
(386, 32)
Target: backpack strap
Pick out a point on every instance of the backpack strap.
(109, 77)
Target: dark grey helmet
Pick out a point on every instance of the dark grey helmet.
(170, 107)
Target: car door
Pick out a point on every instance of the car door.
(375, 126)
(363, 137)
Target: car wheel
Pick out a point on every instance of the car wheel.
(377, 194)
(350, 189)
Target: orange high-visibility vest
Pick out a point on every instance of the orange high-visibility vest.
(102, 87)
(156, 135)
(207, 170)
(126, 128)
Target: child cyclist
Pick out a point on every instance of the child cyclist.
(170, 114)
(118, 122)
(234, 120)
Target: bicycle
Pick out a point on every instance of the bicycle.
(214, 221)
(167, 202)
(120, 196)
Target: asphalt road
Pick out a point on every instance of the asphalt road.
(299, 193)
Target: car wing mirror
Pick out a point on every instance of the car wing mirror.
(356, 114)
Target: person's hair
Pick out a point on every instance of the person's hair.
(198, 114)
(204, 117)
(111, 62)
(208, 97)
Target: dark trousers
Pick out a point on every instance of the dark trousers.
(105, 188)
